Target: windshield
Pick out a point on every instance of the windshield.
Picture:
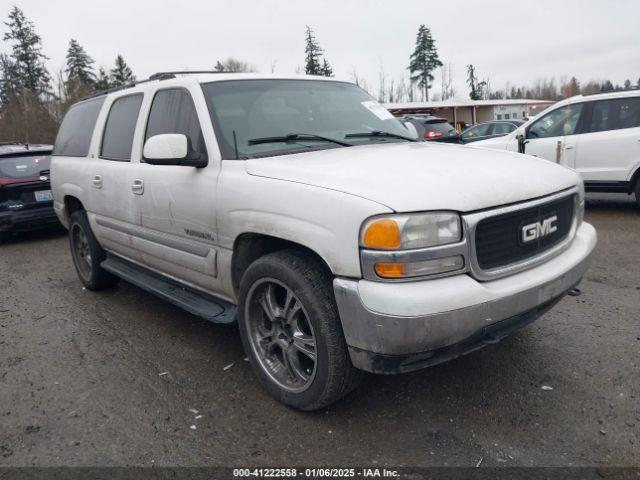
(259, 109)
(23, 166)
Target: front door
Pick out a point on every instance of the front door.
(553, 136)
(177, 204)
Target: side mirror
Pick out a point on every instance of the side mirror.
(521, 136)
(172, 149)
(413, 132)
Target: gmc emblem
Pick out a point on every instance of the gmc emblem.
(540, 229)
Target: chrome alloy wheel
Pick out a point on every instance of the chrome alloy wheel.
(281, 335)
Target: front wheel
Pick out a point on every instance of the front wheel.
(637, 191)
(291, 331)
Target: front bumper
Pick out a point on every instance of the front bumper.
(27, 220)
(399, 327)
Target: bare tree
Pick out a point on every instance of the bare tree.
(233, 65)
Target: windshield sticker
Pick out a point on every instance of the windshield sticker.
(377, 109)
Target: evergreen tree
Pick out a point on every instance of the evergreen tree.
(472, 81)
(121, 74)
(313, 54)
(424, 60)
(571, 88)
(607, 86)
(102, 80)
(26, 55)
(327, 71)
(627, 84)
(79, 64)
(9, 82)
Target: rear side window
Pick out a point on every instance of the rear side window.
(173, 111)
(117, 140)
(74, 135)
(615, 114)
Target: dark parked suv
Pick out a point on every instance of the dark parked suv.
(25, 193)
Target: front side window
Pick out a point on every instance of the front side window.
(558, 123)
(173, 111)
(477, 131)
(502, 128)
(117, 140)
(254, 114)
(615, 114)
(74, 135)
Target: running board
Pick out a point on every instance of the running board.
(193, 301)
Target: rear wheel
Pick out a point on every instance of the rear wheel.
(87, 254)
(637, 190)
(291, 331)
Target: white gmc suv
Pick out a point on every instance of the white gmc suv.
(597, 135)
(303, 209)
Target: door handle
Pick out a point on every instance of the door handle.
(569, 147)
(97, 181)
(138, 186)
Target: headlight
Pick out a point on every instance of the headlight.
(404, 232)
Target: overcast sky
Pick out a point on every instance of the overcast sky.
(514, 41)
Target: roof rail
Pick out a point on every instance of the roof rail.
(630, 89)
(156, 76)
(3, 144)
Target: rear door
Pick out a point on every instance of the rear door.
(176, 204)
(112, 214)
(553, 136)
(609, 150)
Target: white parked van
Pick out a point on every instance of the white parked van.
(597, 135)
(300, 207)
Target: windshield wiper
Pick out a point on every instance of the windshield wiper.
(379, 133)
(296, 137)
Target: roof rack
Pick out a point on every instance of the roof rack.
(156, 76)
(167, 75)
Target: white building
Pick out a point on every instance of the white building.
(473, 111)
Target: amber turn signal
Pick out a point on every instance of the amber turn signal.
(390, 270)
(382, 233)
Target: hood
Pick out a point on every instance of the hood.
(410, 177)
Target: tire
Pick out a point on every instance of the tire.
(87, 254)
(636, 190)
(296, 291)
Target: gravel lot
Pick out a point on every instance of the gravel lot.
(83, 382)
